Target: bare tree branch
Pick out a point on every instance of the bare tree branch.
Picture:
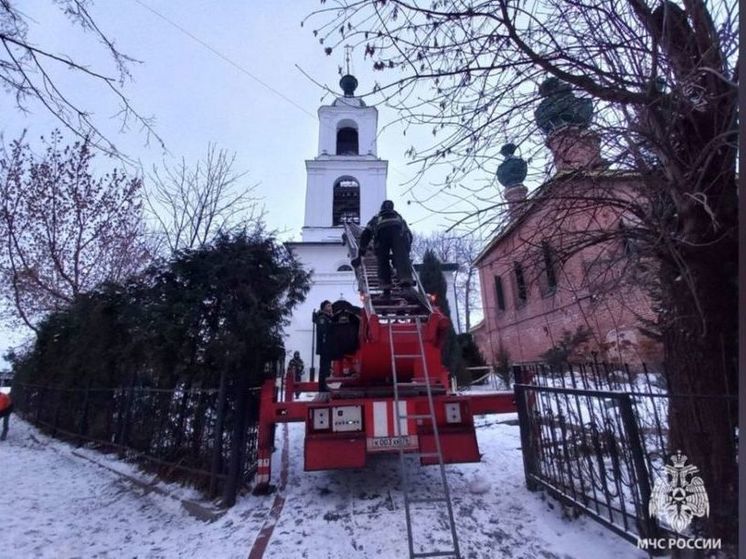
(26, 71)
(65, 231)
(193, 204)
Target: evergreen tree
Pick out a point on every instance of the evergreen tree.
(470, 351)
(434, 282)
(221, 307)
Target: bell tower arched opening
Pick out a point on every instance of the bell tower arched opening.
(346, 202)
(347, 138)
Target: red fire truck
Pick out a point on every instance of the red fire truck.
(390, 393)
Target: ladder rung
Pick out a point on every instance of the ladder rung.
(428, 500)
(417, 384)
(435, 554)
(425, 454)
(415, 416)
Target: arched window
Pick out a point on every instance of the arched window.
(346, 205)
(344, 268)
(347, 141)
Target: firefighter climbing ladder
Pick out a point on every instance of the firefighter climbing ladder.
(415, 303)
(409, 500)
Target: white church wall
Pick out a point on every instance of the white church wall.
(450, 297)
(326, 284)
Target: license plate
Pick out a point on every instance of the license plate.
(392, 443)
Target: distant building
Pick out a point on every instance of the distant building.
(531, 301)
(346, 181)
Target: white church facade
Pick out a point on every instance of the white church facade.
(346, 181)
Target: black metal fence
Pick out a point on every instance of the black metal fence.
(593, 435)
(181, 434)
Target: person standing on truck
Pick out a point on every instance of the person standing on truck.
(6, 407)
(295, 367)
(296, 363)
(324, 342)
(346, 328)
(391, 239)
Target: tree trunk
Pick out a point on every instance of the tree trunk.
(238, 439)
(700, 353)
(467, 302)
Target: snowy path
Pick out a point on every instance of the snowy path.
(63, 506)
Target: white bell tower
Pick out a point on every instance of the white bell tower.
(346, 181)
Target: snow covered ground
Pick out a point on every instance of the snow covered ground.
(58, 503)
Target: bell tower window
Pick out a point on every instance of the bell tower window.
(346, 204)
(347, 143)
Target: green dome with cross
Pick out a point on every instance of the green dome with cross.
(560, 107)
(511, 172)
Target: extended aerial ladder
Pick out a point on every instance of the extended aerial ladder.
(389, 393)
(404, 311)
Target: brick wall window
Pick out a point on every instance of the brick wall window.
(629, 245)
(549, 267)
(520, 284)
(499, 293)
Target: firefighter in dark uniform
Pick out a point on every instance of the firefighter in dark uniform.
(391, 239)
(296, 363)
(324, 345)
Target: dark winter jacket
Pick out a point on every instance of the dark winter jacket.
(323, 333)
(383, 220)
(297, 364)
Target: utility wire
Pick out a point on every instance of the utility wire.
(244, 71)
(223, 57)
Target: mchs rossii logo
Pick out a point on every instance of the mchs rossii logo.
(677, 498)
(680, 495)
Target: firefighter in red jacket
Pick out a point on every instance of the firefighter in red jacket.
(6, 407)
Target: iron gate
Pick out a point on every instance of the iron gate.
(594, 437)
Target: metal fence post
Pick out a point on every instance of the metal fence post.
(524, 421)
(648, 526)
(40, 402)
(125, 416)
(238, 440)
(518, 374)
(56, 415)
(83, 424)
(217, 453)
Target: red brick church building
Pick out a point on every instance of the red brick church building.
(541, 285)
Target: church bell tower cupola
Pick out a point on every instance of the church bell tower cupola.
(346, 180)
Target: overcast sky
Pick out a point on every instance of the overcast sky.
(233, 82)
(198, 96)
